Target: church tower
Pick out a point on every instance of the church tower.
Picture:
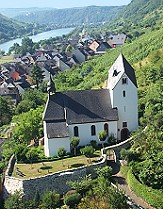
(122, 86)
(51, 86)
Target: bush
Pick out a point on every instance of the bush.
(82, 185)
(87, 151)
(50, 200)
(102, 135)
(104, 171)
(151, 196)
(93, 144)
(72, 200)
(61, 152)
(20, 152)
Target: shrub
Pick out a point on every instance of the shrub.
(50, 200)
(151, 196)
(93, 144)
(61, 152)
(102, 135)
(20, 152)
(74, 142)
(87, 151)
(82, 185)
(72, 200)
(104, 171)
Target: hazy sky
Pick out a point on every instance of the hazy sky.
(59, 3)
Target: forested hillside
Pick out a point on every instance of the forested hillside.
(10, 28)
(75, 16)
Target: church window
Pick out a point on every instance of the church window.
(93, 130)
(124, 80)
(76, 131)
(124, 124)
(124, 93)
(106, 128)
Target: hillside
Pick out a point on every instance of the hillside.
(10, 28)
(141, 13)
(12, 12)
(75, 16)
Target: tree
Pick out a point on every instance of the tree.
(61, 153)
(72, 199)
(117, 199)
(32, 155)
(28, 126)
(14, 201)
(82, 185)
(104, 171)
(102, 136)
(50, 200)
(20, 152)
(37, 75)
(6, 110)
(31, 99)
(87, 151)
(74, 142)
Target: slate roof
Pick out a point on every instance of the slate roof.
(121, 67)
(57, 130)
(83, 106)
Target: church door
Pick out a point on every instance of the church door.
(124, 134)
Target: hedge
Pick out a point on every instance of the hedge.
(151, 196)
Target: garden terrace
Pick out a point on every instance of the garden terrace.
(44, 168)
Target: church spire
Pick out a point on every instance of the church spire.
(51, 86)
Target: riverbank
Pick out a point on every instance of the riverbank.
(36, 38)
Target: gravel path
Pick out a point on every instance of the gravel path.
(122, 184)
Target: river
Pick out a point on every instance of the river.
(35, 38)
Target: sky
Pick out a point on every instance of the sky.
(60, 3)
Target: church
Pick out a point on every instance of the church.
(85, 113)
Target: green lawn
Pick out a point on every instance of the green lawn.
(41, 169)
(4, 59)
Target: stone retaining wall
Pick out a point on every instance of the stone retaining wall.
(54, 182)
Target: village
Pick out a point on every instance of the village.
(15, 76)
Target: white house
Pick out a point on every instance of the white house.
(84, 113)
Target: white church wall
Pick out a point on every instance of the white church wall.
(52, 145)
(127, 105)
(55, 143)
(85, 131)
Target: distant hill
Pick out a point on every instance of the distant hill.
(141, 10)
(10, 28)
(75, 16)
(12, 12)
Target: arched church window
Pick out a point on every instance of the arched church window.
(93, 130)
(106, 128)
(76, 131)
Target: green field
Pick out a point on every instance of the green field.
(44, 168)
(4, 59)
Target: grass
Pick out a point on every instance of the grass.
(4, 59)
(151, 196)
(124, 170)
(44, 168)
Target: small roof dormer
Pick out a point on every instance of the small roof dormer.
(51, 86)
(120, 68)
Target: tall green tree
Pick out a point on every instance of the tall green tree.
(6, 110)
(37, 74)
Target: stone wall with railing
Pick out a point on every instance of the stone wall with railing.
(54, 182)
